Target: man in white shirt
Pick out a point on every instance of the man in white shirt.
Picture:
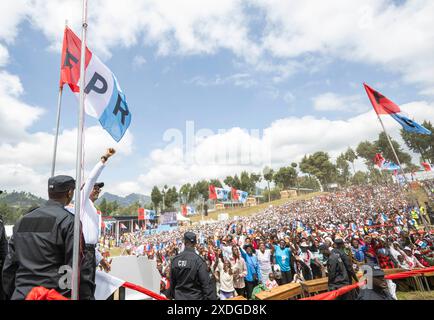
(91, 224)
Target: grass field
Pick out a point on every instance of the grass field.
(415, 295)
(247, 211)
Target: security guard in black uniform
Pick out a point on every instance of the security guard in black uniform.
(336, 271)
(189, 279)
(379, 290)
(3, 252)
(42, 243)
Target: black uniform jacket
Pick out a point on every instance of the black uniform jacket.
(337, 273)
(371, 294)
(189, 278)
(42, 242)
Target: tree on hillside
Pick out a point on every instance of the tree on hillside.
(308, 182)
(216, 183)
(233, 181)
(268, 174)
(383, 144)
(170, 198)
(360, 178)
(285, 177)
(156, 197)
(367, 151)
(319, 165)
(351, 156)
(421, 143)
(343, 169)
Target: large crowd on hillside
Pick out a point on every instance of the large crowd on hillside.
(282, 244)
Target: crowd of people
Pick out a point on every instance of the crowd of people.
(331, 235)
(297, 241)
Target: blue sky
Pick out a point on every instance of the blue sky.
(262, 65)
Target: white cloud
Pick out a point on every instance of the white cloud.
(15, 116)
(138, 61)
(330, 101)
(243, 80)
(284, 141)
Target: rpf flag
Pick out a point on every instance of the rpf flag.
(381, 104)
(242, 196)
(410, 125)
(104, 98)
(426, 166)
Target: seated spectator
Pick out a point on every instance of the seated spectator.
(271, 282)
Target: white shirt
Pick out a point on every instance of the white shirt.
(90, 219)
(264, 260)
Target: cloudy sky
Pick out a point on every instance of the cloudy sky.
(214, 87)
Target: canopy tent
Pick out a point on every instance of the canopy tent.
(180, 217)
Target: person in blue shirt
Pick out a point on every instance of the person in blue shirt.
(358, 250)
(253, 273)
(282, 256)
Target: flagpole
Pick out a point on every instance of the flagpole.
(59, 107)
(391, 146)
(76, 249)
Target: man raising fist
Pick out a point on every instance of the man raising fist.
(91, 222)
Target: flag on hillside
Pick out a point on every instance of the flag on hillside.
(184, 210)
(384, 164)
(104, 98)
(383, 105)
(234, 194)
(222, 194)
(141, 213)
(212, 193)
(426, 166)
(242, 196)
(378, 160)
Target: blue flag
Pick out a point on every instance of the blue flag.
(410, 125)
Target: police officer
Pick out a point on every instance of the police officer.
(3, 252)
(379, 290)
(41, 247)
(340, 249)
(189, 279)
(336, 271)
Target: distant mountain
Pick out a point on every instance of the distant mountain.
(125, 201)
(21, 199)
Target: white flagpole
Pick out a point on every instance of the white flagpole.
(76, 251)
(393, 149)
(59, 106)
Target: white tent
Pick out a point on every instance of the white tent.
(180, 217)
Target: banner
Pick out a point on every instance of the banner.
(222, 194)
(150, 214)
(168, 218)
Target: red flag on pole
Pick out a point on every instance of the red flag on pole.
(212, 193)
(381, 104)
(378, 159)
(141, 213)
(184, 210)
(234, 194)
(70, 62)
(427, 166)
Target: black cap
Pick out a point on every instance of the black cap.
(61, 183)
(377, 271)
(190, 236)
(99, 184)
(339, 241)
